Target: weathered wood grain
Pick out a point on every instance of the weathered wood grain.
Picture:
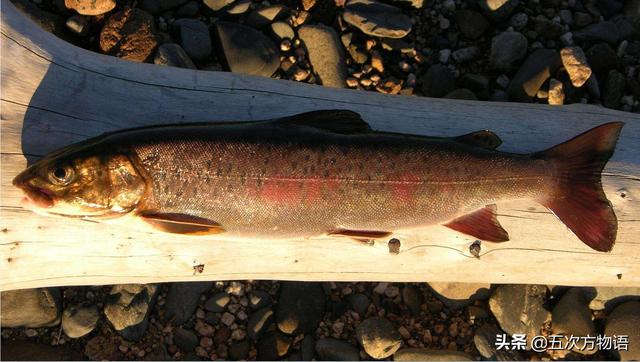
(54, 94)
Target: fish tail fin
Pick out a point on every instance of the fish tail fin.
(578, 199)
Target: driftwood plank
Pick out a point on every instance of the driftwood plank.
(54, 94)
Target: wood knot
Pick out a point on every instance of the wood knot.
(198, 269)
(394, 246)
(474, 248)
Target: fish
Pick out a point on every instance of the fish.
(320, 173)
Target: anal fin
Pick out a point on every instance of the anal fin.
(363, 236)
(370, 234)
(177, 223)
(482, 224)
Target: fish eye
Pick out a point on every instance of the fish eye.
(61, 175)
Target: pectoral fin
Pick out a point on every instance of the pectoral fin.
(482, 224)
(483, 139)
(181, 223)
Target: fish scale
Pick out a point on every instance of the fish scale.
(301, 192)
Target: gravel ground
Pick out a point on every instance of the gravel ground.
(269, 320)
(544, 51)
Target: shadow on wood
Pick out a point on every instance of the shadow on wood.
(54, 94)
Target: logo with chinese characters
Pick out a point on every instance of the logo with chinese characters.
(552, 342)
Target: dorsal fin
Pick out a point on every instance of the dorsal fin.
(337, 121)
(483, 139)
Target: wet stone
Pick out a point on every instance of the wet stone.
(128, 308)
(259, 322)
(282, 30)
(412, 297)
(194, 38)
(575, 62)
(300, 307)
(378, 337)
(601, 57)
(78, 321)
(185, 339)
(358, 54)
(246, 50)
(613, 89)
(273, 346)
(216, 5)
(520, 308)
(307, 348)
(556, 92)
(326, 54)
(173, 55)
(438, 81)
(458, 295)
(607, 298)
(507, 50)
(624, 321)
(259, 299)
(182, 300)
(535, 70)
(78, 25)
(604, 31)
(377, 19)
(572, 317)
(471, 23)
(188, 10)
(360, 303)
(240, 350)
(485, 340)
(466, 54)
(129, 34)
(239, 7)
(330, 349)
(90, 7)
(264, 16)
(461, 93)
(33, 308)
(218, 303)
(498, 10)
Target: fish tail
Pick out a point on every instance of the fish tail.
(578, 199)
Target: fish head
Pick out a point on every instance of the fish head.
(82, 184)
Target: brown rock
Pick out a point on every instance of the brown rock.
(390, 86)
(457, 295)
(352, 82)
(129, 34)
(556, 92)
(624, 321)
(308, 4)
(33, 308)
(326, 54)
(90, 7)
(376, 61)
(575, 62)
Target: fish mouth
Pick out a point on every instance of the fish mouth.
(33, 196)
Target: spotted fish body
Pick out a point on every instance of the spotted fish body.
(301, 182)
(328, 173)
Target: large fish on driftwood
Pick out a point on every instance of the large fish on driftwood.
(320, 173)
